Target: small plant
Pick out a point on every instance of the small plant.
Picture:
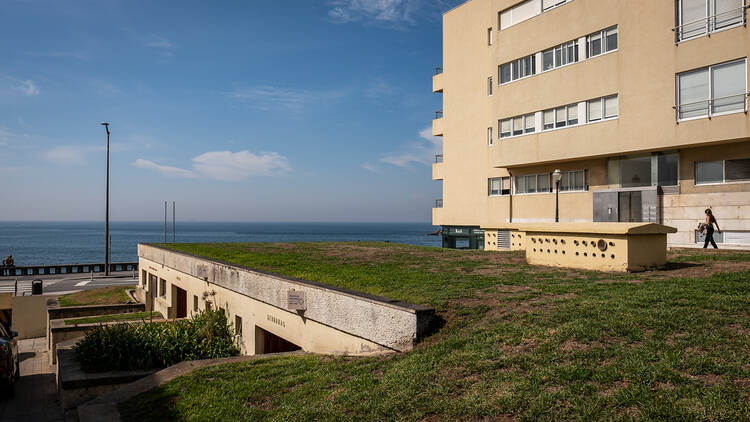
(150, 345)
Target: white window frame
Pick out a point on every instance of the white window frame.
(709, 101)
(572, 173)
(490, 36)
(708, 29)
(490, 140)
(723, 174)
(501, 179)
(524, 131)
(515, 185)
(489, 86)
(603, 38)
(514, 74)
(602, 102)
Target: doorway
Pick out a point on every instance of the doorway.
(267, 342)
(181, 305)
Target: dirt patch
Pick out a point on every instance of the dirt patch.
(707, 379)
(739, 329)
(526, 346)
(663, 386)
(552, 389)
(574, 346)
(674, 337)
(613, 388)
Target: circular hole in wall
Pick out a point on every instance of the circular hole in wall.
(602, 245)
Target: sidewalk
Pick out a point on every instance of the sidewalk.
(36, 395)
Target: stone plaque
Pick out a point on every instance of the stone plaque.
(202, 271)
(296, 300)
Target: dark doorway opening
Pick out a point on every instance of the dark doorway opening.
(181, 308)
(266, 342)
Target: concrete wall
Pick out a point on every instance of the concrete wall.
(336, 321)
(641, 71)
(30, 316)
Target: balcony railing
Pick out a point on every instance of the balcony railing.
(712, 107)
(710, 24)
(439, 114)
(438, 203)
(438, 158)
(438, 70)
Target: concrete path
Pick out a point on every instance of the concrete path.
(36, 392)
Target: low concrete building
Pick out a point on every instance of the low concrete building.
(273, 313)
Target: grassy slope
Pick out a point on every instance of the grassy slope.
(526, 342)
(133, 316)
(102, 296)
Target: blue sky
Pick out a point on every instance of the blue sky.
(238, 110)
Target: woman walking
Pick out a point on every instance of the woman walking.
(710, 221)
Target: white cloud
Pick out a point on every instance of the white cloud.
(165, 170)
(370, 167)
(28, 88)
(224, 165)
(156, 41)
(66, 155)
(422, 151)
(385, 11)
(286, 99)
(233, 166)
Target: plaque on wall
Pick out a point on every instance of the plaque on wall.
(296, 300)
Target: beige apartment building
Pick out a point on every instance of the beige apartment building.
(642, 106)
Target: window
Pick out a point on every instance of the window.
(489, 136)
(549, 4)
(498, 186)
(517, 126)
(530, 123)
(489, 36)
(489, 86)
(519, 13)
(162, 287)
(549, 119)
(722, 171)
(602, 42)
(713, 90)
(144, 276)
(656, 169)
(561, 117)
(533, 183)
(701, 17)
(572, 114)
(560, 55)
(517, 69)
(573, 181)
(195, 303)
(667, 168)
(607, 107)
(505, 128)
(238, 326)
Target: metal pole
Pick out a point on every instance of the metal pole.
(557, 201)
(106, 214)
(165, 222)
(174, 235)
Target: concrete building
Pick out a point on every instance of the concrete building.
(272, 313)
(642, 106)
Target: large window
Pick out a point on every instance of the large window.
(573, 181)
(602, 42)
(560, 55)
(498, 186)
(526, 10)
(712, 90)
(657, 169)
(517, 69)
(560, 117)
(602, 108)
(517, 126)
(701, 17)
(533, 183)
(722, 171)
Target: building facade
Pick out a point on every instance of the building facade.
(641, 105)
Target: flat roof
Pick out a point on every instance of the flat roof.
(590, 228)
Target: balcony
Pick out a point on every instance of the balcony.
(714, 23)
(713, 107)
(437, 168)
(437, 80)
(437, 124)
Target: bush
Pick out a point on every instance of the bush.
(129, 346)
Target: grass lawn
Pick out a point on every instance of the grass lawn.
(133, 316)
(104, 296)
(519, 342)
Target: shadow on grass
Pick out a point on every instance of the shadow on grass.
(673, 266)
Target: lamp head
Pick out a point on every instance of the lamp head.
(557, 175)
(105, 124)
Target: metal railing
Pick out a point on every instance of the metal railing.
(438, 70)
(710, 24)
(709, 108)
(438, 203)
(439, 114)
(65, 269)
(438, 158)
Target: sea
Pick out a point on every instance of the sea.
(56, 243)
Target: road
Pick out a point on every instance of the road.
(66, 283)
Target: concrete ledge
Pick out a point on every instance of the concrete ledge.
(104, 408)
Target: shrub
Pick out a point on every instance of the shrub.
(128, 346)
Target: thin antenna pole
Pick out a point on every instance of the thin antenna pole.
(174, 235)
(165, 222)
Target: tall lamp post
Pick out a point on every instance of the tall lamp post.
(106, 213)
(557, 175)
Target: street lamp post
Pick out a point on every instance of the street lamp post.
(556, 175)
(106, 213)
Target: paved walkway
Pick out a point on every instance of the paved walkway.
(36, 392)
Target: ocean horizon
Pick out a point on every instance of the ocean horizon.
(80, 242)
